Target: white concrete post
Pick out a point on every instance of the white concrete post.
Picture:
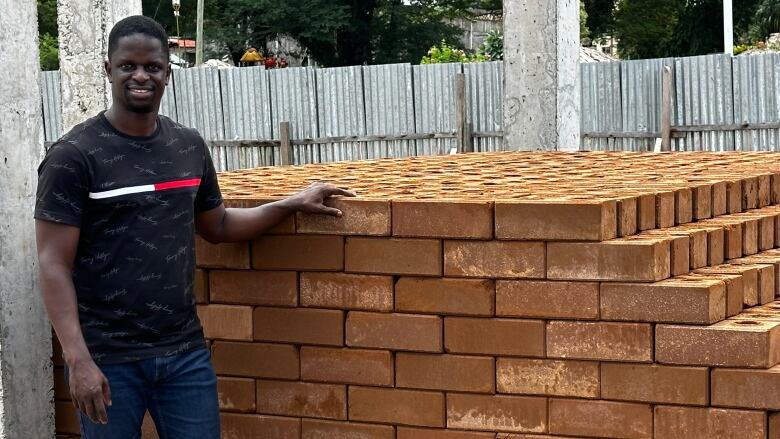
(541, 75)
(84, 26)
(26, 405)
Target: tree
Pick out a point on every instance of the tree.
(48, 46)
(599, 17)
(766, 19)
(645, 28)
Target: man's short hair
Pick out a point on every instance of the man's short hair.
(137, 24)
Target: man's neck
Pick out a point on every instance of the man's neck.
(132, 124)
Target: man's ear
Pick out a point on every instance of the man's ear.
(107, 68)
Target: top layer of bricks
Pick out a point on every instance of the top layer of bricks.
(522, 196)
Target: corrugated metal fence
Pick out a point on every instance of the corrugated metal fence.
(618, 99)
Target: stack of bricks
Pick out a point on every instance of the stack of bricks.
(506, 295)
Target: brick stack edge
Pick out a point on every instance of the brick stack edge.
(509, 295)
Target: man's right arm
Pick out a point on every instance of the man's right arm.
(57, 245)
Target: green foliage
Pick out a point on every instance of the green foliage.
(49, 52)
(493, 46)
(645, 28)
(443, 53)
(48, 46)
(334, 32)
(584, 31)
(766, 19)
(599, 19)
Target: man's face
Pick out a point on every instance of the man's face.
(138, 71)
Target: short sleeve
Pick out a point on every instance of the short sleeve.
(209, 196)
(63, 186)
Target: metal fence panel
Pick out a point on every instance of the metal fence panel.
(434, 105)
(199, 102)
(247, 114)
(601, 104)
(52, 105)
(341, 111)
(294, 100)
(756, 88)
(389, 108)
(485, 103)
(641, 89)
(703, 89)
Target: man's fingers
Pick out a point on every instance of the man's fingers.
(106, 392)
(88, 408)
(339, 191)
(100, 409)
(329, 211)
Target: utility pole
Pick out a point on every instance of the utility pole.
(728, 28)
(199, 37)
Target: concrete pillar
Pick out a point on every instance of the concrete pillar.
(541, 75)
(26, 409)
(84, 26)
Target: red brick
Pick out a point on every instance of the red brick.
(731, 343)
(494, 336)
(746, 388)
(716, 246)
(226, 322)
(394, 256)
(61, 390)
(258, 360)
(497, 413)
(774, 417)
(774, 189)
(298, 252)
(655, 384)
(600, 341)
(719, 198)
(226, 255)
(734, 196)
(749, 193)
(548, 299)
(672, 300)
(236, 394)
(426, 433)
(616, 260)
(348, 366)
(275, 288)
(750, 285)
(66, 417)
(406, 332)
(702, 202)
(394, 406)
(266, 427)
(494, 259)
(359, 217)
(664, 209)
(302, 399)
(764, 190)
(646, 212)
(148, 429)
(445, 296)
(627, 216)
(708, 423)
(603, 419)
(315, 429)
(347, 291)
(445, 372)
(683, 205)
(201, 288)
(434, 219)
(765, 279)
(556, 220)
(734, 289)
(750, 236)
(548, 377)
(299, 325)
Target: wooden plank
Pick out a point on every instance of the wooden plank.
(286, 151)
(666, 109)
(460, 111)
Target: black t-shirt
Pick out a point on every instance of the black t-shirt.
(134, 200)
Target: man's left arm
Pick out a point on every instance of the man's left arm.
(221, 224)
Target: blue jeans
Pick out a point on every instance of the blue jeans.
(179, 391)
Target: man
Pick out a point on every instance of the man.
(119, 200)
